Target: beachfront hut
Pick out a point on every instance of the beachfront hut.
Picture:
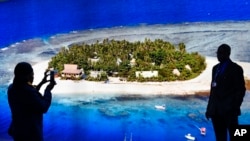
(146, 74)
(95, 74)
(71, 71)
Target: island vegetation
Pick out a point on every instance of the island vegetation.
(121, 58)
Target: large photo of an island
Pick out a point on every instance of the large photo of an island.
(123, 72)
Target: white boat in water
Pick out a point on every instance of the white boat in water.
(160, 107)
(190, 137)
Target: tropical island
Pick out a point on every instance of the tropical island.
(119, 60)
(148, 61)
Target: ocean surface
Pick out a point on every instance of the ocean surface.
(27, 19)
(34, 31)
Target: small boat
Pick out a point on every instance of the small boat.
(190, 137)
(203, 131)
(160, 107)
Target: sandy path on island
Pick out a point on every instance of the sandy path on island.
(196, 85)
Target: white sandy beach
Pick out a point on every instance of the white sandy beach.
(198, 84)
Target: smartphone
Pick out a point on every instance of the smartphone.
(52, 76)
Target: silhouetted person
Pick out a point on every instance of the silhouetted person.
(226, 94)
(27, 104)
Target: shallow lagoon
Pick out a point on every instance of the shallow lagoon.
(118, 117)
(88, 117)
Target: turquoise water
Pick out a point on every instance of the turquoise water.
(102, 117)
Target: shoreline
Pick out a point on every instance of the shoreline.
(197, 86)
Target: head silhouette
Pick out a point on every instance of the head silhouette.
(23, 73)
(223, 53)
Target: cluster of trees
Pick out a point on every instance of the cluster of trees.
(114, 56)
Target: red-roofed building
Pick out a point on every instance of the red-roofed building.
(71, 71)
